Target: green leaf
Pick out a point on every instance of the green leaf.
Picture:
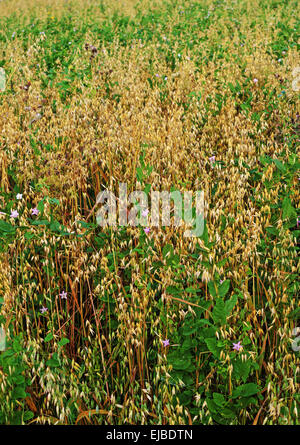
(42, 222)
(167, 251)
(219, 399)
(48, 337)
(186, 397)
(6, 227)
(212, 288)
(272, 230)
(219, 314)
(204, 235)
(139, 174)
(229, 304)
(246, 390)
(63, 342)
(19, 379)
(287, 208)
(84, 224)
(224, 288)
(212, 346)
(28, 415)
(172, 290)
(17, 347)
(53, 363)
(294, 315)
(181, 364)
(279, 165)
(147, 189)
(189, 329)
(53, 201)
(41, 206)
(241, 368)
(192, 290)
(29, 235)
(19, 393)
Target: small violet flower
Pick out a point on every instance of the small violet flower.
(63, 295)
(237, 346)
(34, 211)
(43, 309)
(19, 196)
(14, 214)
(166, 343)
(212, 159)
(255, 80)
(147, 230)
(145, 212)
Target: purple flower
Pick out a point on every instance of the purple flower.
(145, 212)
(212, 159)
(147, 230)
(19, 196)
(298, 222)
(255, 80)
(14, 214)
(43, 309)
(63, 295)
(166, 343)
(237, 346)
(34, 211)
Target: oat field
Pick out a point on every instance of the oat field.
(114, 325)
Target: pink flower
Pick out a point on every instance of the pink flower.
(43, 309)
(298, 222)
(34, 211)
(212, 159)
(255, 80)
(147, 230)
(237, 346)
(19, 196)
(14, 214)
(145, 212)
(166, 343)
(63, 295)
